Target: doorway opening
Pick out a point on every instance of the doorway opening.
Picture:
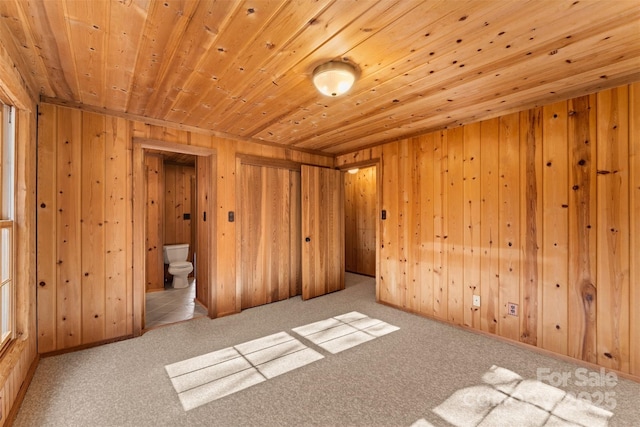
(361, 207)
(173, 185)
(171, 291)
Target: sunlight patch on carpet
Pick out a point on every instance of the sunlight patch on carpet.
(342, 332)
(205, 378)
(506, 399)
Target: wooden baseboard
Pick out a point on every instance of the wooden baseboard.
(525, 346)
(85, 346)
(13, 413)
(225, 314)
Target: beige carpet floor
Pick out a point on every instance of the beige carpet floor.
(304, 363)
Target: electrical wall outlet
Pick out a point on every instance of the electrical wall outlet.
(476, 300)
(512, 309)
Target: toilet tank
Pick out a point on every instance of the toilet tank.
(175, 253)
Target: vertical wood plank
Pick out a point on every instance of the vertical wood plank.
(281, 238)
(613, 229)
(389, 234)
(555, 243)
(92, 229)
(634, 227)
(509, 219)
(155, 219)
(295, 233)
(252, 235)
(471, 223)
(531, 223)
(258, 230)
(412, 244)
(455, 227)
(68, 180)
(440, 284)
(26, 209)
(265, 234)
(46, 242)
(582, 235)
(425, 178)
(171, 205)
(204, 222)
(227, 295)
(366, 221)
(335, 228)
(130, 293)
(138, 236)
(350, 222)
(489, 226)
(187, 173)
(403, 221)
(193, 222)
(177, 203)
(116, 227)
(310, 249)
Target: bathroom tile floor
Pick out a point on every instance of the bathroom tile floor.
(172, 305)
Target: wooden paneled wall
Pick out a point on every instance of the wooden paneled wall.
(270, 242)
(360, 212)
(85, 191)
(84, 258)
(540, 209)
(155, 219)
(21, 358)
(178, 201)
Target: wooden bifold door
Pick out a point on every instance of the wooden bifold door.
(291, 232)
(269, 219)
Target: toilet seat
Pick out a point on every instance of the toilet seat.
(181, 264)
(180, 271)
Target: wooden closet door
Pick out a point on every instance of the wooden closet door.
(322, 231)
(265, 229)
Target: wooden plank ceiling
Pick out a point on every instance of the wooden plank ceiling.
(243, 68)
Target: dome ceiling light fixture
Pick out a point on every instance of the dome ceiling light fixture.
(334, 78)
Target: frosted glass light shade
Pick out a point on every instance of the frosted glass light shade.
(334, 78)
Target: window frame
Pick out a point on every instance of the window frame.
(8, 148)
(10, 281)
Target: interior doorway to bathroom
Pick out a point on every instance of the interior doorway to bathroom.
(362, 223)
(172, 194)
(170, 231)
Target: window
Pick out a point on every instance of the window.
(7, 203)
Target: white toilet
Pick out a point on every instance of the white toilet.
(179, 267)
